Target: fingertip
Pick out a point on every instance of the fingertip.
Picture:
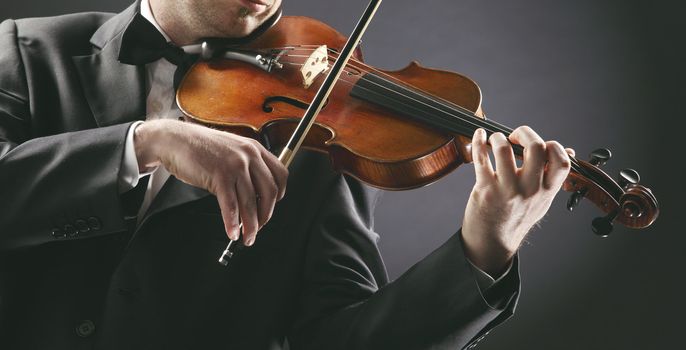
(282, 189)
(499, 142)
(249, 234)
(515, 133)
(231, 234)
(559, 165)
(477, 140)
(497, 135)
(524, 129)
(478, 135)
(564, 154)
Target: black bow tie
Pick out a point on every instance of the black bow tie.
(142, 43)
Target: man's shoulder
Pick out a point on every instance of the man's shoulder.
(70, 32)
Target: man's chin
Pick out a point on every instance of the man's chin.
(239, 33)
(246, 26)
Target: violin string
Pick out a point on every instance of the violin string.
(368, 69)
(445, 103)
(472, 120)
(467, 113)
(485, 123)
(448, 110)
(574, 163)
(497, 127)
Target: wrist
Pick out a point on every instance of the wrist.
(145, 139)
(486, 252)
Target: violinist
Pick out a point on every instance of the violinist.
(114, 210)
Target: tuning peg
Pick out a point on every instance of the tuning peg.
(602, 226)
(600, 156)
(628, 177)
(575, 198)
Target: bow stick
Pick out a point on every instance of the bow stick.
(293, 145)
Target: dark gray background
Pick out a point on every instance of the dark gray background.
(585, 72)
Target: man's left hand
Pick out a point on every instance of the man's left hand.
(506, 203)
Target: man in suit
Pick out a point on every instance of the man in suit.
(88, 122)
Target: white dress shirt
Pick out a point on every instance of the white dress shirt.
(161, 103)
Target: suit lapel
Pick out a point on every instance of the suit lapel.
(115, 91)
(172, 193)
(116, 94)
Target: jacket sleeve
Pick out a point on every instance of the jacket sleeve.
(56, 187)
(346, 302)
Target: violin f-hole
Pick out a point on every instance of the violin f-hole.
(269, 101)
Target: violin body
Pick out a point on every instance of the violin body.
(363, 140)
(369, 125)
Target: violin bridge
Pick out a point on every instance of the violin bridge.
(316, 64)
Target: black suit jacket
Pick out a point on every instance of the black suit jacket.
(75, 275)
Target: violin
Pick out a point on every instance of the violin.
(394, 130)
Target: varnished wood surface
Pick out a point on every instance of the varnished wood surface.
(364, 140)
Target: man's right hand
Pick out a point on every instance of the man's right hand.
(246, 178)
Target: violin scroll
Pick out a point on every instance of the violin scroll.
(624, 201)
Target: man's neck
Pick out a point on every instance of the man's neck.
(166, 22)
(146, 12)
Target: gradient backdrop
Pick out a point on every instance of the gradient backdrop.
(588, 73)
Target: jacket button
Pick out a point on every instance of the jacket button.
(94, 223)
(82, 226)
(58, 233)
(70, 230)
(85, 328)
